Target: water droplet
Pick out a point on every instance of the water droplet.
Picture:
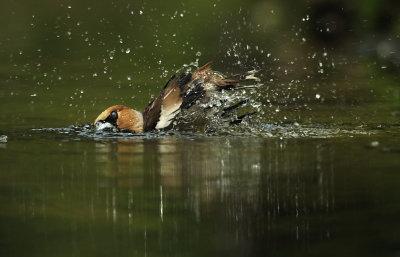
(111, 54)
(3, 139)
(374, 143)
(127, 50)
(198, 53)
(318, 96)
(140, 12)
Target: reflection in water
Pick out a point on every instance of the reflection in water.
(247, 186)
(204, 196)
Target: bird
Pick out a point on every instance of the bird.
(179, 95)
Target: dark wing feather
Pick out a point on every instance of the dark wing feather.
(162, 111)
(194, 93)
(151, 114)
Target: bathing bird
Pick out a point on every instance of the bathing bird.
(180, 94)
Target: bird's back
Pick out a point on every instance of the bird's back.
(182, 92)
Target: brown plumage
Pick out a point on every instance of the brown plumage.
(180, 93)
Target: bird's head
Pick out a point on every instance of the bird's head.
(120, 117)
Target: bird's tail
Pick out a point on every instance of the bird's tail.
(205, 72)
(244, 77)
(233, 81)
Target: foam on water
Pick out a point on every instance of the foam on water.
(246, 128)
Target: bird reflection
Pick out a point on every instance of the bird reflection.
(253, 185)
(250, 192)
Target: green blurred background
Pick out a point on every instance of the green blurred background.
(62, 62)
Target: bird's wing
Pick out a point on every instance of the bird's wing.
(181, 92)
(162, 111)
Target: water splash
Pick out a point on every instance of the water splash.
(247, 128)
(3, 139)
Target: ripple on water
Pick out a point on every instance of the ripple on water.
(261, 130)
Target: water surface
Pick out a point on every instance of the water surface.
(197, 195)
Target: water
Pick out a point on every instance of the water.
(314, 172)
(196, 195)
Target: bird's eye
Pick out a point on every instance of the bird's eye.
(112, 118)
(113, 115)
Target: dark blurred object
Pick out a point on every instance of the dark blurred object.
(330, 22)
(380, 40)
(384, 49)
(386, 16)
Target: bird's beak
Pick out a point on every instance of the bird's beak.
(107, 119)
(103, 125)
